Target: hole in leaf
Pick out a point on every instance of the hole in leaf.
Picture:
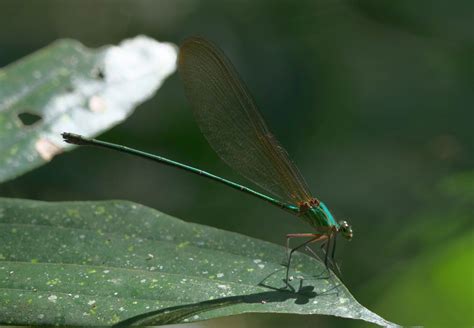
(98, 73)
(29, 119)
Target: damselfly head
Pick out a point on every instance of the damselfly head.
(345, 229)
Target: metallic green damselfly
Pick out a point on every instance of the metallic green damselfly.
(229, 119)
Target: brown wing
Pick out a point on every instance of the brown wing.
(231, 123)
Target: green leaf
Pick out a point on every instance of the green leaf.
(67, 87)
(99, 263)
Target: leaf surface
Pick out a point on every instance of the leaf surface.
(100, 263)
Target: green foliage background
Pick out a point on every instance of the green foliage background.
(373, 100)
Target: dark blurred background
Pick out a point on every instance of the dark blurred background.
(372, 99)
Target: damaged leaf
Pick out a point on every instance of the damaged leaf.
(67, 87)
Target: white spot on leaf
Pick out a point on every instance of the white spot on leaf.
(46, 149)
(52, 298)
(97, 104)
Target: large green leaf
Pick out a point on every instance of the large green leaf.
(67, 87)
(99, 263)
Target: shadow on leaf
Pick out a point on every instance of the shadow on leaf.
(177, 314)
